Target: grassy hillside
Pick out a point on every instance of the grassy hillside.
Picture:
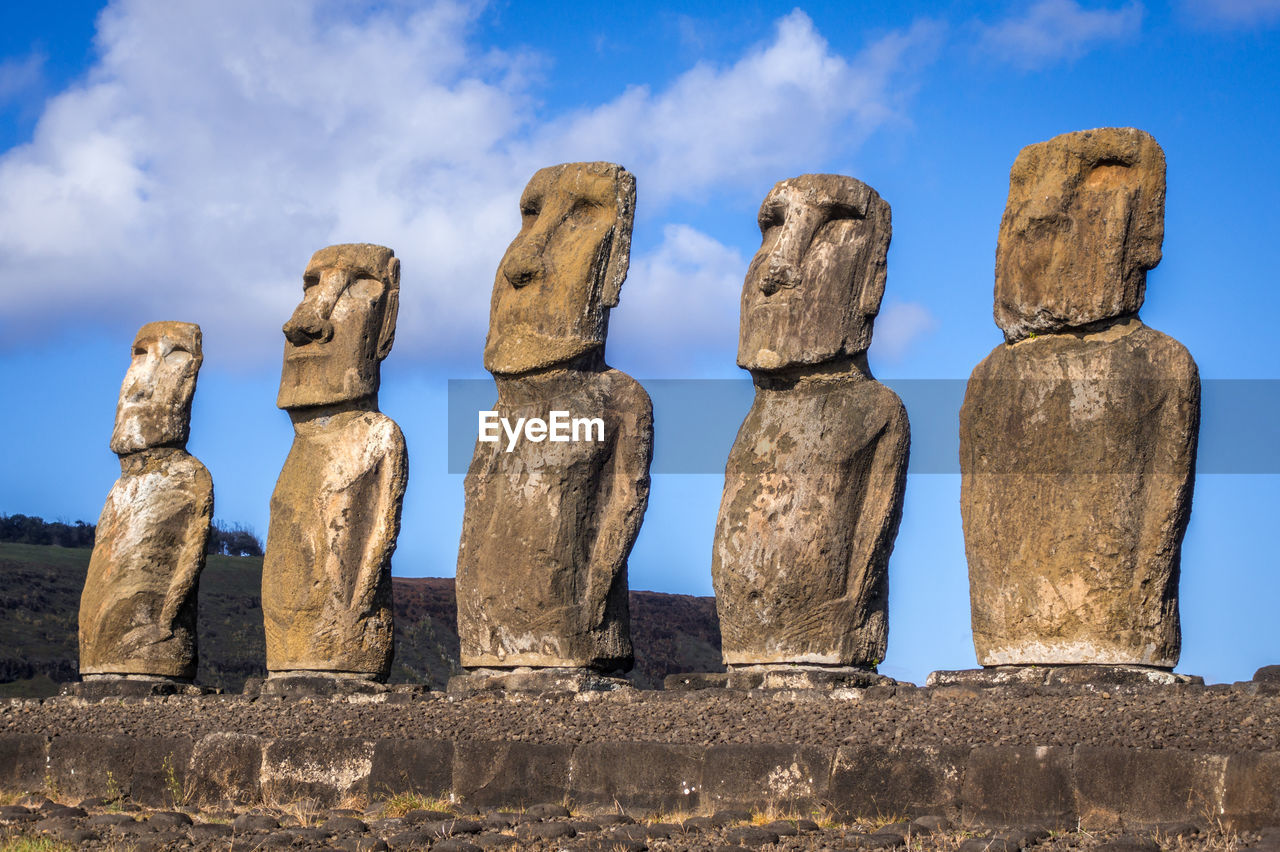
(40, 596)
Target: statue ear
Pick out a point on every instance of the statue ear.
(620, 246)
(877, 257)
(390, 310)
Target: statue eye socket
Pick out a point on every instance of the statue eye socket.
(838, 212)
(770, 218)
(309, 281)
(531, 207)
(585, 207)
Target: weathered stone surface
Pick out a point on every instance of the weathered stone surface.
(138, 608)
(537, 681)
(1085, 209)
(149, 770)
(564, 270)
(335, 512)
(99, 687)
(225, 766)
(549, 524)
(1078, 435)
(326, 685)
(1017, 786)
(691, 681)
(1251, 792)
(411, 766)
(1078, 454)
(22, 761)
(1118, 786)
(763, 774)
(319, 768)
(789, 676)
(1083, 675)
(647, 776)
(907, 780)
(510, 774)
(1267, 674)
(814, 287)
(814, 482)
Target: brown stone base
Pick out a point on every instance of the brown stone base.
(779, 677)
(321, 685)
(1085, 676)
(99, 686)
(535, 681)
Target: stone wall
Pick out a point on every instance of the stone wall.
(1088, 786)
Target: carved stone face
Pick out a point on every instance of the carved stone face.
(564, 270)
(155, 399)
(343, 328)
(1083, 224)
(814, 287)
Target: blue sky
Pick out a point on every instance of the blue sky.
(167, 161)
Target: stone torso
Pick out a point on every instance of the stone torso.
(326, 578)
(1077, 453)
(542, 563)
(812, 499)
(138, 608)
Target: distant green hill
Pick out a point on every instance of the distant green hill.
(40, 597)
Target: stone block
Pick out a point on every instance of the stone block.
(871, 781)
(160, 768)
(511, 774)
(1006, 785)
(320, 768)
(691, 681)
(22, 761)
(225, 766)
(411, 766)
(150, 769)
(637, 776)
(535, 681)
(1124, 786)
(1251, 791)
(764, 774)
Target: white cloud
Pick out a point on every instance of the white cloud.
(1233, 13)
(898, 326)
(215, 145)
(1050, 31)
(681, 301)
(783, 106)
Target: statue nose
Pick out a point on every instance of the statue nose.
(524, 266)
(307, 326)
(779, 274)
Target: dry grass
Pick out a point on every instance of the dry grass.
(307, 812)
(401, 803)
(28, 843)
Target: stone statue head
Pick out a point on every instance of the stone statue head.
(564, 270)
(155, 399)
(343, 328)
(813, 289)
(1083, 224)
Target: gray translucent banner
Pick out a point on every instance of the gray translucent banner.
(695, 421)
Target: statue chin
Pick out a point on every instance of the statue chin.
(524, 349)
(309, 383)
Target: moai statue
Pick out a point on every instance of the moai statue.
(138, 608)
(814, 482)
(542, 563)
(1078, 433)
(335, 512)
